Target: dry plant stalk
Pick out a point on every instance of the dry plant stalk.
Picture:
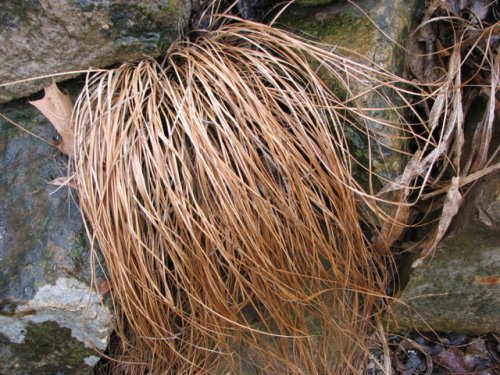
(218, 185)
(462, 72)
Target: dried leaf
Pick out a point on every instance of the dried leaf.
(450, 209)
(57, 107)
(412, 170)
(453, 359)
(487, 123)
(487, 280)
(63, 181)
(105, 287)
(422, 59)
(392, 229)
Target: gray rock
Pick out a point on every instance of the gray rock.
(313, 2)
(72, 305)
(41, 37)
(372, 34)
(50, 320)
(457, 289)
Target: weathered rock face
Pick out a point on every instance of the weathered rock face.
(372, 35)
(457, 290)
(358, 27)
(313, 2)
(40, 37)
(49, 318)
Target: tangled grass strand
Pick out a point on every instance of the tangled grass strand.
(218, 185)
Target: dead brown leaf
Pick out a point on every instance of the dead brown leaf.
(453, 359)
(105, 287)
(487, 280)
(393, 228)
(450, 209)
(63, 181)
(57, 107)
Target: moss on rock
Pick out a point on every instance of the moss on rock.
(362, 36)
(447, 293)
(45, 347)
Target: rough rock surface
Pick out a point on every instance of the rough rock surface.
(371, 29)
(456, 290)
(49, 318)
(40, 37)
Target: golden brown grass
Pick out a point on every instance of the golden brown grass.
(218, 185)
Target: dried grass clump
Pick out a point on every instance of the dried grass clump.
(218, 185)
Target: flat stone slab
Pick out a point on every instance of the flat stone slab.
(42, 37)
(457, 289)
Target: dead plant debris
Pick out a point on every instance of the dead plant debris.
(218, 184)
(455, 52)
(57, 107)
(440, 354)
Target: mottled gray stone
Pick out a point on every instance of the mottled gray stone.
(73, 305)
(49, 318)
(40, 37)
(373, 33)
(91, 360)
(455, 289)
(67, 305)
(13, 328)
